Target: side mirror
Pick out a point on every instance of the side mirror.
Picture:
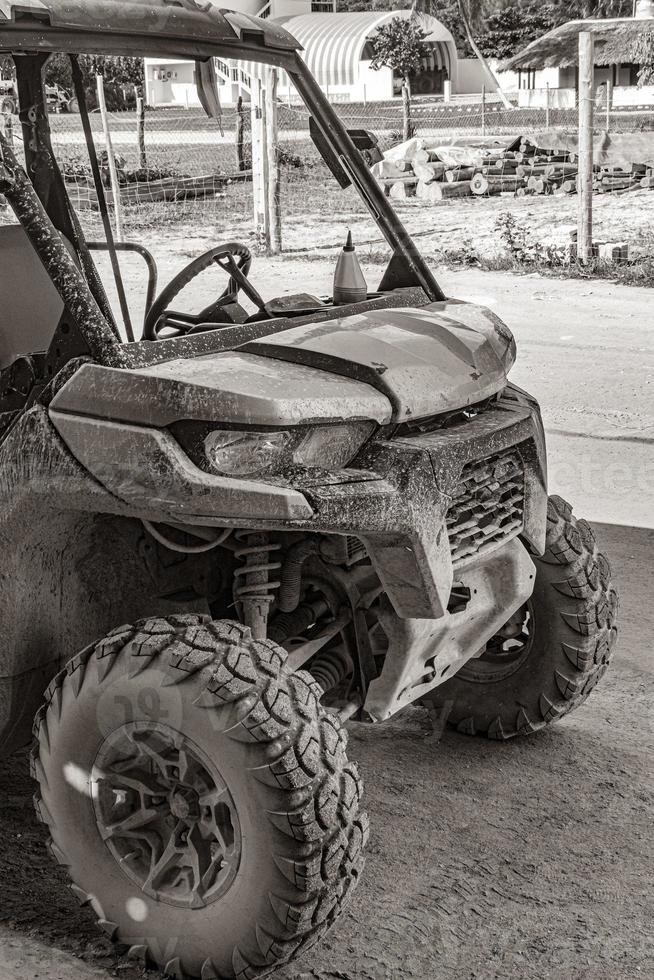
(366, 143)
(206, 82)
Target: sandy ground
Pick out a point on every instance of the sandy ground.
(526, 860)
(470, 223)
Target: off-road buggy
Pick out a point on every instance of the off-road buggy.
(307, 514)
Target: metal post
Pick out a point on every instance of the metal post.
(259, 161)
(272, 143)
(547, 106)
(586, 107)
(111, 159)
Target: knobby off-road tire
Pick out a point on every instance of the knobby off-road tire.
(281, 757)
(572, 630)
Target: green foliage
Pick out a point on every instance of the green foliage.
(447, 11)
(522, 249)
(400, 45)
(122, 76)
(512, 28)
(501, 27)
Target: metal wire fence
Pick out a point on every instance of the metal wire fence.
(189, 169)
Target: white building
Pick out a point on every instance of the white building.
(547, 70)
(337, 49)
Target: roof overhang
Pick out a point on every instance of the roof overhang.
(146, 28)
(615, 40)
(333, 43)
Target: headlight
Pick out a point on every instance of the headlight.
(253, 453)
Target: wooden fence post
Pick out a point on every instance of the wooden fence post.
(272, 151)
(547, 106)
(240, 134)
(483, 110)
(259, 163)
(111, 159)
(140, 131)
(586, 114)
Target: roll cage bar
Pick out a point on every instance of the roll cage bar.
(41, 202)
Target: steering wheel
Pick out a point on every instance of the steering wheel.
(236, 260)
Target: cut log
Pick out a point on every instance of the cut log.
(437, 191)
(617, 183)
(539, 185)
(501, 167)
(647, 183)
(558, 170)
(569, 186)
(420, 156)
(402, 189)
(459, 174)
(389, 168)
(482, 186)
(538, 170)
(429, 171)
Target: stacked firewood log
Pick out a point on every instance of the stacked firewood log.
(433, 174)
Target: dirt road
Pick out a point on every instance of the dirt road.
(526, 860)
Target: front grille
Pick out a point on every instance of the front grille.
(488, 507)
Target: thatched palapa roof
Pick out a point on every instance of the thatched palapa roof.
(615, 44)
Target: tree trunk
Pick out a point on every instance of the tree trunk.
(406, 107)
(140, 129)
(463, 10)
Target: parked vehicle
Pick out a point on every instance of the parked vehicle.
(8, 97)
(304, 513)
(58, 99)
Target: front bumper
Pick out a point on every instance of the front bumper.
(405, 498)
(424, 653)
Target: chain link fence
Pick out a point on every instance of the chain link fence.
(194, 172)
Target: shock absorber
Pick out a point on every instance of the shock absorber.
(254, 581)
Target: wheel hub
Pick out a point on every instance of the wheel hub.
(185, 804)
(505, 652)
(166, 815)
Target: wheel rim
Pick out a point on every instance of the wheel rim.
(166, 815)
(506, 651)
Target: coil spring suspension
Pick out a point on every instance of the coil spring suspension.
(254, 584)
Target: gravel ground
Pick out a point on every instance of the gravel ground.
(531, 859)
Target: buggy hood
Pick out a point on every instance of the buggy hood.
(391, 365)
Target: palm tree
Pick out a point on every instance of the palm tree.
(471, 12)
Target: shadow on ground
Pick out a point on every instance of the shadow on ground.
(523, 860)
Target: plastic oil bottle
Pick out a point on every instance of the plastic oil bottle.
(349, 283)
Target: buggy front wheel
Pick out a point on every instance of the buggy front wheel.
(548, 658)
(199, 797)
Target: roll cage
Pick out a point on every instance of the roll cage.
(32, 30)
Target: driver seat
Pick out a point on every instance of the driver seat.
(30, 306)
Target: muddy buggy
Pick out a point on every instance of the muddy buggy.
(306, 514)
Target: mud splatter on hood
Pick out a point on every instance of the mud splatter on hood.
(426, 361)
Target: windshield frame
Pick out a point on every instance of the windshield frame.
(407, 267)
